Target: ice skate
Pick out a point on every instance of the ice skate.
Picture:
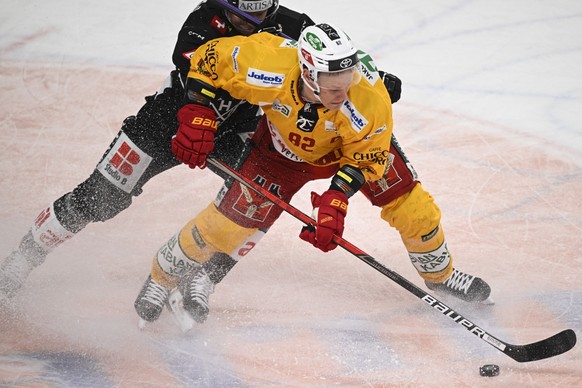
(196, 288)
(150, 301)
(15, 268)
(13, 273)
(465, 287)
(182, 318)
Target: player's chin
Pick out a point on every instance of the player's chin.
(244, 30)
(334, 105)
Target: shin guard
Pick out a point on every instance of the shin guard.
(47, 231)
(417, 219)
(208, 235)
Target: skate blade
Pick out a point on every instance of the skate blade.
(488, 302)
(184, 320)
(142, 323)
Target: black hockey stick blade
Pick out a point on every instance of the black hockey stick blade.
(546, 348)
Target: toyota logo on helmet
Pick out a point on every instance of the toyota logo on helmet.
(346, 63)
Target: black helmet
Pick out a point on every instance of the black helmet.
(253, 6)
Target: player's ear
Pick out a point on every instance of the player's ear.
(306, 77)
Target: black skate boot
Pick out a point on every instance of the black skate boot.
(150, 301)
(465, 287)
(196, 288)
(15, 268)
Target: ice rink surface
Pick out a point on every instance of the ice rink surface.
(490, 117)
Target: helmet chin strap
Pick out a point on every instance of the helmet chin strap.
(313, 90)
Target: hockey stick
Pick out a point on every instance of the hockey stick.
(546, 348)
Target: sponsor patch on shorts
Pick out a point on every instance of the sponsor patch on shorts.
(124, 164)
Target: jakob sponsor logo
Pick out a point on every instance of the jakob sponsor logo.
(265, 78)
(357, 120)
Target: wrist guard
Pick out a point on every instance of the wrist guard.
(349, 180)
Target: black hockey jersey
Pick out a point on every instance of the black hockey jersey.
(208, 21)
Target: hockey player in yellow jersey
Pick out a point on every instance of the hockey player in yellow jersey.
(327, 115)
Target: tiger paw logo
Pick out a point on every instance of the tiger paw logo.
(307, 117)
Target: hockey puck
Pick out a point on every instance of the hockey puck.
(489, 370)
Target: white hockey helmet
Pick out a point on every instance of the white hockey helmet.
(326, 48)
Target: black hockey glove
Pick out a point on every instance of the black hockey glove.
(393, 85)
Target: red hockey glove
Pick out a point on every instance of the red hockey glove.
(195, 137)
(330, 209)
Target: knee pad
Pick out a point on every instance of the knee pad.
(417, 219)
(207, 236)
(95, 199)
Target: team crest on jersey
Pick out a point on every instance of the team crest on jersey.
(307, 117)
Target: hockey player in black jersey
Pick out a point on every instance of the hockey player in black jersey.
(142, 148)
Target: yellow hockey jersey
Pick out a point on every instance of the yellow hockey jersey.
(263, 69)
